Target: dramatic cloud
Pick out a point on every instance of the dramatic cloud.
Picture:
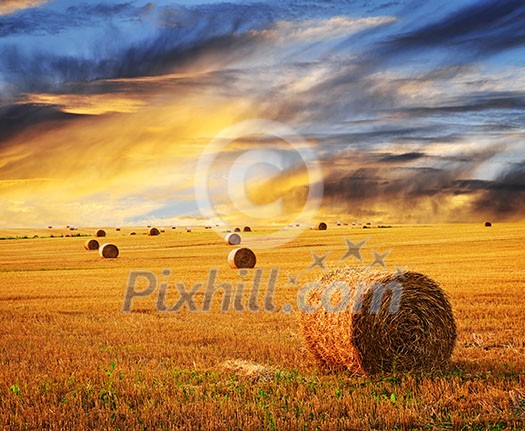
(415, 111)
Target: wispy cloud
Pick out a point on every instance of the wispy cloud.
(415, 110)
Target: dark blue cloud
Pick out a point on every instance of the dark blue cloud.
(479, 29)
(96, 41)
(17, 118)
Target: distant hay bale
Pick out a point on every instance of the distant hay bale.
(50, 227)
(174, 227)
(153, 232)
(249, 370)
(133, 233)
(237, 229)
(162, 230)
(338, 223)
(100, 233)
(242, 258)
(488, 224)
(391, 322)
(232, 239)
(108, 251)
(322, 226)
(247, 229)
(91, 244)
(188, 229)
(117, 229)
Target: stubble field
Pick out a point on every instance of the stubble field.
(71, 359)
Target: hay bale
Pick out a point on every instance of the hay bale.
(153, 232)
(367, 336)
(117, 229)
(133, 233)
(100, 233)
(232, 239)
(50, 227)
(247, 229)
(108, 251)
(162, 230)
(237, 229)
(242, 258)
(188, 229)
(174, 227)
(488, 224)
(321, 226)
(91, 244)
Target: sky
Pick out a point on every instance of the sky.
(414, 110)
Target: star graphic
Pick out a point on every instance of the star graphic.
(292, 279)
(379, 259)
(318, 261)
(401, 272)
(354, 249)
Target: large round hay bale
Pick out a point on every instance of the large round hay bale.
(153, 232)
(108, 251)
(91, 244)
(237, 229)
(242, 258)
(379, 322)
(488, 224)
(247, 229)
(100, 233)
(232, 239)
(322, 226)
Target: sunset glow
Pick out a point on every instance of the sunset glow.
(106, 108)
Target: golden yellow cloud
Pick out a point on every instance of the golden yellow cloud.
(89, 104)
(9, 6)
(111, 167)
